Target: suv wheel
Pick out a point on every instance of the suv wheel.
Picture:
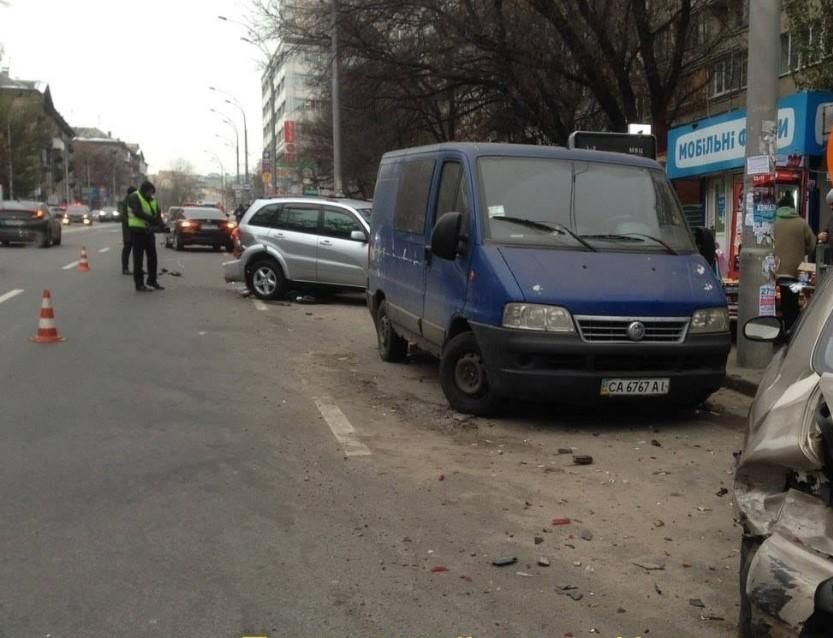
(265, 279)
(463, 377)
(392, 347)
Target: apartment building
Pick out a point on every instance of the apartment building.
(289, 104)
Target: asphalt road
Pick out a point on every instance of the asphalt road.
(194, 463)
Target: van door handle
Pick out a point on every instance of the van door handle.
(326, 242)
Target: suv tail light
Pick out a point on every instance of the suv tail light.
(235, 238)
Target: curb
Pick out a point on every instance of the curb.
(741, 385)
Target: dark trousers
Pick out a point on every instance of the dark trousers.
(790, 307)
(143, 242)
(127, 243)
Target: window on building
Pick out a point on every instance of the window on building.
(784, 65)
(698, 33)
(721, 82)
(740, 61)
(795, 49)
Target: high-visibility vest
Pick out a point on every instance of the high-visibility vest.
(149, 208)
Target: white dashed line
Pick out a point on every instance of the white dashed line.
(68, 266)
(342, 428)
(11, 294)
(104, 250)
(260, 305)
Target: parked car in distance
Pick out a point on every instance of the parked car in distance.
(536, 271)
(192, 226)
(782, 487)
(28, 222)
(303, 242)
(169, 214)
(78, 214)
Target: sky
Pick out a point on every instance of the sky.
(141, 70)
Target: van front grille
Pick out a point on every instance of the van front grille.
(618, 329)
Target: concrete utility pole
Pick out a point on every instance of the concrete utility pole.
(761, 139)
(338, 185)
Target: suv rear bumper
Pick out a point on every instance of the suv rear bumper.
(563, 367)
(233, 270)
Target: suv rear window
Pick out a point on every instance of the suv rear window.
(412, 196)
(267, 217)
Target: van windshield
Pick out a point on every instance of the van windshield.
(608, 206)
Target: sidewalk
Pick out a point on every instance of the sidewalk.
(743, 380)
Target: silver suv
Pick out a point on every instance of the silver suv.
(301, 240)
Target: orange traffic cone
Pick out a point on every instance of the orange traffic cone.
(83, 264)
(47, 332)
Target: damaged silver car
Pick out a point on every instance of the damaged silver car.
(783, 482)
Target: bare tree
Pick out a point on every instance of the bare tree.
(177, 185)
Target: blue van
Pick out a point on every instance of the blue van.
(543, 273)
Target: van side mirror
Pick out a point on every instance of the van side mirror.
(445, 236)
(359, 235)
(763, 329)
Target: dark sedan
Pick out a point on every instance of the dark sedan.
(28, 222)
(192, 226)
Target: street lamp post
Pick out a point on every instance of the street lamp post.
(222, 174)
(236, 103)
(236, 137)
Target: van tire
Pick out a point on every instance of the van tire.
(463, 377)
(392, 347)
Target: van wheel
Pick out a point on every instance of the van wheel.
(463, 377)
(392, 347)
(265, 279)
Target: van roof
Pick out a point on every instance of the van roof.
(475, 150)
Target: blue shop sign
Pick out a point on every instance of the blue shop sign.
(718, 143)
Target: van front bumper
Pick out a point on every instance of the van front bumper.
(534, 365)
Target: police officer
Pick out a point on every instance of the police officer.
(143, 217)
(125, 232)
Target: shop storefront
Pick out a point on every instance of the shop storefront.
(711, 151)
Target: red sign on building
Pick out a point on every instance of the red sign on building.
(289, 132)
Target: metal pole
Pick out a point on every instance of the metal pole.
(11, 166)
(66, 174)
(761, 139)
(245, 147)
(337, 181)
(274, 139)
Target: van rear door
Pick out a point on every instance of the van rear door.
(446, 281)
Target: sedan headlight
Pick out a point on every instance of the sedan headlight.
(710, 320)
(530, 316)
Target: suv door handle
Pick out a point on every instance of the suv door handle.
(279, 234)
(326, 242)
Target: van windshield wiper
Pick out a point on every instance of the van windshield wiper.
(634, 237)
(555, 228)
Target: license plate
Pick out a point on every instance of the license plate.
(15, 222)
(634, 387)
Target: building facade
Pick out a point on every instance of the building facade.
(289, 105)
(706, 149)
(104, 167)
(35, 148)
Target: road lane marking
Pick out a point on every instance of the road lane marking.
(260, 305)
(104, 250)
(68, 266)
(11, 294)
(341, 427)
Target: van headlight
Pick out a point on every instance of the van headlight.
(530, 316)
(710, 320)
